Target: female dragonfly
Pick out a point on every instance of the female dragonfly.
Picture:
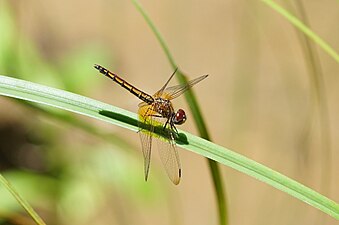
(155, 110)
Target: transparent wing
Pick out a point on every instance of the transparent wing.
(169, 156)
(175, 91)
(159, 93)
(146, 129)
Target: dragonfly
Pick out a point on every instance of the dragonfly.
(157, 111)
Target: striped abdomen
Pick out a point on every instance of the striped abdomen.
(135, 91)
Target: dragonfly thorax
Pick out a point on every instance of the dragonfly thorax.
(163, 107)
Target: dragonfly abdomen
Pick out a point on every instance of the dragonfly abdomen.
(135, 91)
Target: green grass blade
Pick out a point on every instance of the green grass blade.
(262, 173)
(21, 201)
(303, 28)
(61, 99)
(198, 119)
(156, 32)
(79, 104)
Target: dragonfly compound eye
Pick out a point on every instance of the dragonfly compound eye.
(179, 117)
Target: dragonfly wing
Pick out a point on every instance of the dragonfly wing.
(175, 91)
(146, 142)
(159, 93)
(169, 156)
(146, 129)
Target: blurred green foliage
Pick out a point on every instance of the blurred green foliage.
(81, 175)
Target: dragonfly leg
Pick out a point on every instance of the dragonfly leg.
(164, 127)
(174, 128)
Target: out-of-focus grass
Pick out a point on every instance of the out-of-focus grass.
(319, 99)
(62, 168)
(6, 203)
(304, 28)
(308, 42)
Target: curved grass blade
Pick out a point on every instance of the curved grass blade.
(303, 28)
(21, 201)
(197, 116)
(320, 102)
(79, 104)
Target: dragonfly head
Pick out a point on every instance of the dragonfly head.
(179, 117)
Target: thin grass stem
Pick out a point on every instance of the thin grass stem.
(199, 121)
(21, 201)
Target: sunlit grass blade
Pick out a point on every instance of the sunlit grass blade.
(303, 28)
(82, 105)
(61, 99)
(62, 116)
(21, 201)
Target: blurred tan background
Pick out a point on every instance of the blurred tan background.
(260, 100)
